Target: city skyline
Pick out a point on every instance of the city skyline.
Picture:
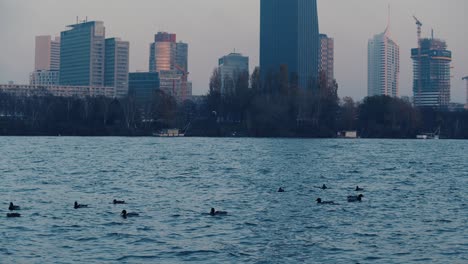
(134, 24)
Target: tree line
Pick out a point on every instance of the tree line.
(244, 106)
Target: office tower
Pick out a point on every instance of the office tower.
(383, 65)
(47, 54)
(289, 36)
(82, 54)
(142, 85)
(116, 66)
(170, 60)
(163, 52)
(46, 62)
(182, 56)
(230, 67)
(431, 68)
(326, 59)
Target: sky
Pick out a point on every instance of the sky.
(214, 28)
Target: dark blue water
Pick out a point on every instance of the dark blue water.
(414, 209)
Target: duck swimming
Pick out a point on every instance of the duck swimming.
(353, 198)
(358, 189)
(13, 207)
(77, 205)
(319, 201)
(13, 215)
(124, 214)
(118, 202)
(214, 212)
(280, 189)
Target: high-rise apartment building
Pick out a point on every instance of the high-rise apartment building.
(116, 66)
(82, 55)
(47, 54)
(289, 36)
(44, 78)
(170, 59)
(431, 68)
(230, 67)
(383, 65)
(326, 59)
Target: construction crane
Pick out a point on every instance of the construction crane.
(185, 74)
(419, 25)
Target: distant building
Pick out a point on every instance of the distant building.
(82, 54)
(289, 36)
(116, 66)
(383, 67)
(173, 83)
(431, 68)
(142, 85)
(44, 77)
(57, 90)
(230, 66)
(46, 62)
(47, 54)
(170, 59)
(326, 58)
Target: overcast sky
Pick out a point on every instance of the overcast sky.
(213, 28)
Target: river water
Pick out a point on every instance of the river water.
(414, 208)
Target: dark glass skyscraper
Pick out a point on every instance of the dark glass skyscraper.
(289, 35)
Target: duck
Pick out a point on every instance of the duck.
(323, 187)
(13, 215)
(77, 205)
(359, 189)
(214, 212)
(280, 189)
(124, 214)
(319, 201)
(354, 198)
(13, 207)
(118, 201)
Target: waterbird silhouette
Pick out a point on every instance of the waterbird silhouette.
(124, 214)
(13, 207)
(214, 212)
(77, 205)
(353, 198)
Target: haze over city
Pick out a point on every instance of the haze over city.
(213, 28)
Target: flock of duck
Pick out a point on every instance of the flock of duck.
(77, 205)
(213, 212)
(351, 198)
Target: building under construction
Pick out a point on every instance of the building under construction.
(431, 63)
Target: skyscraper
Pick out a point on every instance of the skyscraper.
(47, 54)
(46, 62)
(383, 65)
(289, 36)
(116, 66)
(326, 59)
(230, 67)
(142, 85)
(82, 54)
(170, 59)
(431, 68)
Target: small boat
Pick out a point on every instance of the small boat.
(169, 133)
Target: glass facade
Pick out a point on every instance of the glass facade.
(142, 85)
(116, 66)
(431, 85)
(289, 35)
(82, 54)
